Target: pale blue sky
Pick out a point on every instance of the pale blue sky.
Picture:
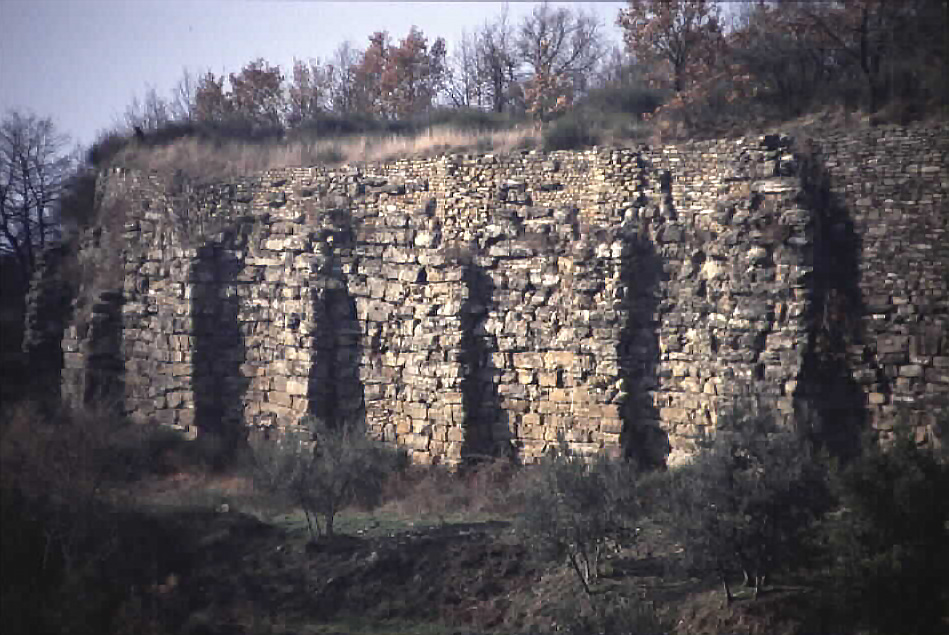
(82, 61)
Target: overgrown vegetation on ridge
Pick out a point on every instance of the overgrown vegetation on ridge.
(687, 70)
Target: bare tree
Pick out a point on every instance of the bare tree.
(498, 63)
(342, 73)
(562, 48)
(308, 91)
(616, 66)
(183, 106)
(463, 85)
(149, 113)
(34, 167)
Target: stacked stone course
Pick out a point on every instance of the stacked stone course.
(465, 305)
(891, 186)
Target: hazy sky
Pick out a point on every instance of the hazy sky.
(82, 61)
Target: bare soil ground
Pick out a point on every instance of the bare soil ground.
(232, 565)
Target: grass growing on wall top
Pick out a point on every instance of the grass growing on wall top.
(207, 158)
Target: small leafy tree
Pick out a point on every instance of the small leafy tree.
(572, 505)
(322, 469)
(256, 94)
(744, 503)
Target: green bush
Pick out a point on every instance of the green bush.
(890, 540)
(572, 506)
(745, 503)
(570, 132)
(322, 469)
(68, 556)
(627, 98)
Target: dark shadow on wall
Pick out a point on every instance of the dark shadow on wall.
(643, 439)
(335, 392)
(829, 401)
(219, 349)
(105, 367)
(334, 388)
(33, 324)
(487, 433)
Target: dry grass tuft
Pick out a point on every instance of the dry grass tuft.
(489, 488)
(221, 159)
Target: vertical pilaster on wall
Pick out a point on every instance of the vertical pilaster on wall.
(94, 373)
(158, 330)
(46, 312)
(159, 335)
(94, 368)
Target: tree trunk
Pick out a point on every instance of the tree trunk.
(583, 580)
(309, 524)
(728, 593)
(759, 582)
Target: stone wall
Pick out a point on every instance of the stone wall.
(469, 305)
(882, 198)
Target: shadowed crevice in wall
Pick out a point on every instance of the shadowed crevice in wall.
(643, 439)
(47, 308)
(487, 432)
(829, 401)
(105, 364)
(335, 392)
(334, 389)
(219, 382)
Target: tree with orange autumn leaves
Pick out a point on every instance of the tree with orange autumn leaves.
(399, 81)
(676, 39)
(792, 54)
(386, 80)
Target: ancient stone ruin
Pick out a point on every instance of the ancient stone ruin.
(483, 305)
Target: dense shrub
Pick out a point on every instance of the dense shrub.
(889, 542)
(572, 506)
(570, 132)
(745, 502)
(68, 556)
(323, 468)
(630, 98)
(611, 115)
(470, 119)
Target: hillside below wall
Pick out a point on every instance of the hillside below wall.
(622, 299)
